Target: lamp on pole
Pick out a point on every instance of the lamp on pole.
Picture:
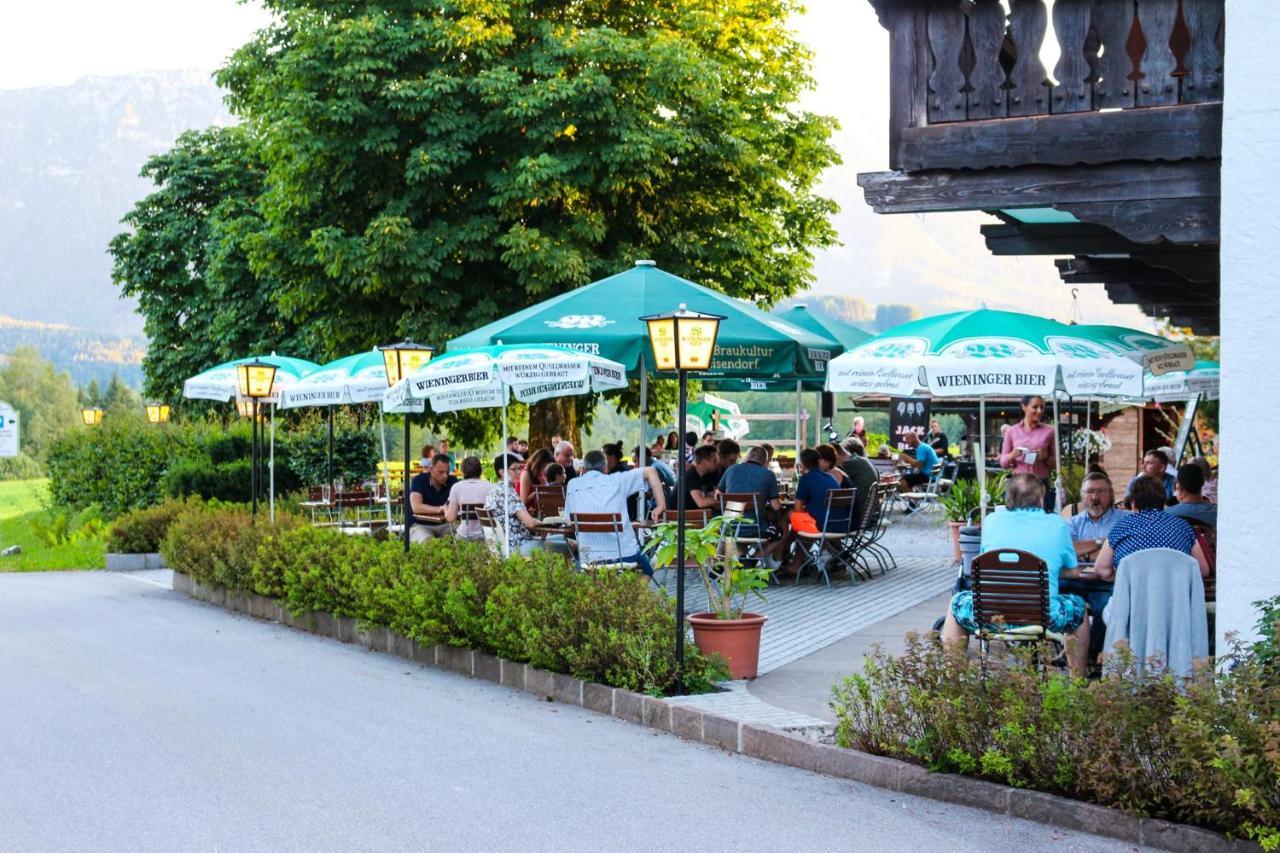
(682, 340)
(401, 361)
(255, 380)
(91, 415)
(157, 413)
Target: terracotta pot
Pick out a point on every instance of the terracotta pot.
(955, 537)
(737, 640)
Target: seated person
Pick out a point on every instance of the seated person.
(554, 475)
(1149, 526)
(862, 475)
(503, 501)
(921, 459)
(752, 476)
(564, 458)
(1192, 505)
(469, 490)
(1025, 526)
(938, 439)
(727, 453)
(1155, 465)
(531, 478)
(811, 500)
(614, 462)
(829, 461)
(1090, 526)
(428, 495)
(596, 492)
(699, 492)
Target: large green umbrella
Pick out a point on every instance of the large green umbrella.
(1158, 355)
(1181, 384)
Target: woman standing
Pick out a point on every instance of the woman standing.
(1028, 447)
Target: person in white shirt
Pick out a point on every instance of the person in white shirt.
(593, 491)
(469, 490)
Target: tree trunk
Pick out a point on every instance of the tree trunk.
(557, 416)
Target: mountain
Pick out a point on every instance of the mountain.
(69, 163)
(85, 354)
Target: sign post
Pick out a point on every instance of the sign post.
(8, 430)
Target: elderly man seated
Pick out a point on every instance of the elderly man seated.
(1025, 526)
(1089, 530)
(597, 492)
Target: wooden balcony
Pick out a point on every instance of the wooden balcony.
(1123, 133)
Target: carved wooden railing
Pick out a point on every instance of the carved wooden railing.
(954, 62)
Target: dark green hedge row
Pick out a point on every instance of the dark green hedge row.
(606, 626)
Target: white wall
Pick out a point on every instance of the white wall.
(1249, 490)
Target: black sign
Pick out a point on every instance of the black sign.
(907, 414)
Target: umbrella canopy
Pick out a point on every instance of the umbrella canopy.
(1181, 384)
(981, 353)
(603, 319)
(359, 378)
(845, 335)
(702, 414)
(480, 377)
(220, 383)
(1158, 355)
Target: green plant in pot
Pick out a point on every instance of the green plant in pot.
(962, 503)
(727, 628)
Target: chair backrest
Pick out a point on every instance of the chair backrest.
(490, 527)
(316, 493)
(1207, 536)
(840, 504)
(693, 518)
(549, 501)
(745, 513)
(1155, 586)
(1010, 587)
(597, 524)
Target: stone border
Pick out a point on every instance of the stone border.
(764, 743)
(134, 562)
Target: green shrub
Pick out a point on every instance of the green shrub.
(201, 478)
(140, 531)
(606, 626)
(60, 525)
(1206, 752)
(305, 451)
(20, 467)
(118, 466)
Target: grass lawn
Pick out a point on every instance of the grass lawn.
(22, 500)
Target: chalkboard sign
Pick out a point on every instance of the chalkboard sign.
(907, 414)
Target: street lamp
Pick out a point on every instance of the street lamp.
(255, 380)
(92, 416)
(157, 413)
(682, 340)
(401, 361)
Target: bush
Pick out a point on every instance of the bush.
(140, 531)
(606, 627)
(201, 478)
(306, 451)
(20, 467)
(118, 466)
(1206, 752)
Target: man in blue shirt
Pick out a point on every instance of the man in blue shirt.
(923, 460)
(1025, 526)
(1156, 466)
(1090, 526)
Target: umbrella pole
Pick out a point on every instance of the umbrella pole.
(1057, 457)
(271, 469)
(644, 415)
(386, 470)
(799, 428)
(1087, 441)
(982, 458)
(506, 480)
(408, 505)
(329, 467)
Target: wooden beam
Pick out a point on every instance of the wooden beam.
(1088, 270)
(1038, 186)
(909, 64)
(1178, 220)
(1068, 139)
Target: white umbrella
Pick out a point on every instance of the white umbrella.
(486, 377)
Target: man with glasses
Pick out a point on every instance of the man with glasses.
(1089, 529)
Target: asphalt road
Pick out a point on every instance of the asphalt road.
(132, 718)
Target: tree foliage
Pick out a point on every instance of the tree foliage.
(44, 399)
(421, 169)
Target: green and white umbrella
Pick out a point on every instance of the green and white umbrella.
(1182, 384)
(221, 383)
(487, 377)
(984, 353)
(701, 414)
(1158, 355)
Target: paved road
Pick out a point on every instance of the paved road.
(134, 719)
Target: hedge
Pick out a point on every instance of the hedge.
(1206, 752)
(605, 626)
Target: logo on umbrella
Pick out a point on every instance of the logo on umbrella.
(580, 321)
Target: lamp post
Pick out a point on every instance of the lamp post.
(157, 413)
(682, 340)
(91, 415)
(255, 380)
(401, 361)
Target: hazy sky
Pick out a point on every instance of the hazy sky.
(941, 258)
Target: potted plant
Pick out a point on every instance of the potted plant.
(727, 628)
(960, 505)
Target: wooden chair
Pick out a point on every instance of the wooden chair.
(602, 524)
(1207, 536)
(833, 538)
(548, 502)
(1011, 600)
(745, 524)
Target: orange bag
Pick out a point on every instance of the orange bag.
(802, 522)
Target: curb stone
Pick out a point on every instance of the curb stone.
(764, 743)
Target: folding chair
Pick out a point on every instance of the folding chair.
(694, 519)
(833, 536)
(469, 516)
(548, 503)
(600, 525)
(918, 501)
(744, 524)
(1011, 600)
(874, 529)
(861, 534)
(492, 528)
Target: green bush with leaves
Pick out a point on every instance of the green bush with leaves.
(1206, 752)
(605, 626)
(140, 531)
(118, 466)
(60, 525)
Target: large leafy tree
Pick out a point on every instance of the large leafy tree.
(44, 398)
(184, 258)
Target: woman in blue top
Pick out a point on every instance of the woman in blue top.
(811, 498)
(1149, 526)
